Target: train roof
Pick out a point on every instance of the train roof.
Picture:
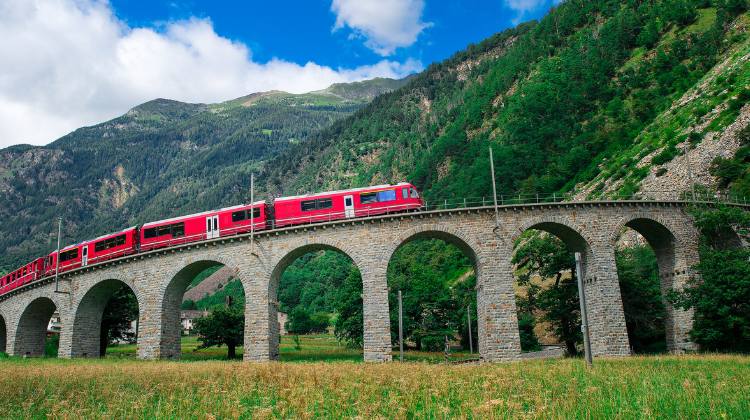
(157, 222)
(342, 191)
(108, 235)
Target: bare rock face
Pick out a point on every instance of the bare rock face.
(209, 285)
(692, 167)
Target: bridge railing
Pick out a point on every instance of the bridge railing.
(433, 203)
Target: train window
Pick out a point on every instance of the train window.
(69, 255)
(178, 230)
(387, 195)
(404, 193)
(366, 198)
(150, 233)
(239, 216)
(109, 243)
(319, 204)
(308, 205)
(414, 193)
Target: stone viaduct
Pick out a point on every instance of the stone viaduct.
(160, 278)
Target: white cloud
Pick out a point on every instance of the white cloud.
(523, 7)
(385, 24)
(68, 63)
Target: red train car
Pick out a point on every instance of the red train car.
(206, 225)
(23, 275)
(334, 205)
(112, 245)
(70, 258)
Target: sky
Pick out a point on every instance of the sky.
(72, 63)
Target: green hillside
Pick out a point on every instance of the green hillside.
(580, 96)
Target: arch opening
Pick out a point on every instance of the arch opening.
(3, 336)
(437, 274)
(317, 309)
(671, 268)
(546, 290)
(203, 313)
(638, 273)
(38, 332)
(106, 319)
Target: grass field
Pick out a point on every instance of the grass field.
(638, 387)
(314, 347)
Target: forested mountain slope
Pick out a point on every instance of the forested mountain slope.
(571, 103)
(160, 159)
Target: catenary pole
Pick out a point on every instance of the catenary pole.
(57, 255)
(584, 314)
(252, 212)
(494, 189)
(400, 327)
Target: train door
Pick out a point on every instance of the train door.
(348, 206)
(212, 227)
(84, 255)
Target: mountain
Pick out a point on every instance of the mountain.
(160, 159)
(596, 99)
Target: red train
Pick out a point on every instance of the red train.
(287, 211)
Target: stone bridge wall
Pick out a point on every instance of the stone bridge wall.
(159, 278)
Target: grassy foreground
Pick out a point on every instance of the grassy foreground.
(637, 387)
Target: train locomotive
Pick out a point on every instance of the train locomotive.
(241, 219)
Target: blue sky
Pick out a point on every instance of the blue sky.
(302, 30)
(72, 63)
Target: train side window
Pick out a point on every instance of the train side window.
(151, 233)
(178, 230)
(387, 195)
(109, 243)
(308, 205)
(366, 198)
(325, 203)
(256, 212)
(404, 193)
(69, 255)
(239, 216)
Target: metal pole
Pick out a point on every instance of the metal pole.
(57, 257)
(400, 327)
(690, 170)
(494, 188)
(584, 314)
(468, 321)
(252, 212)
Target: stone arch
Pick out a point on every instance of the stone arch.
(283, 262)
(468, 246)
(31, 330)
(172, 293)
(88, 312)
(575, 238)
(3, 335)
(606, 318)
(676, 251)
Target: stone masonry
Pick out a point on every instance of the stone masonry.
(159, 278)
